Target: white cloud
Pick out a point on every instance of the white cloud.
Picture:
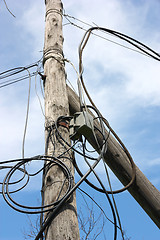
(12, 126)
(154, 162)
(119, 80)
(32, 25)
(140, 81)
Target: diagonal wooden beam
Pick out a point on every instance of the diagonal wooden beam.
(142, 190)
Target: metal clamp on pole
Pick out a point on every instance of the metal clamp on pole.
(81, 124)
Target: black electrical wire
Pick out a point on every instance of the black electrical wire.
(101, 154)
(53, 208)
(50, 139)
(80, 189)
(21, 162)
(105, 140)
(13, 81)
(50, 136)
(104, 190)
(106, 193)
(49, 161)
(122, 36)
(55, 211)
(13, 71)
(18, 181)
(80, 153)
(81, 48)
(145, 50)
(109, 32)
(105, 147)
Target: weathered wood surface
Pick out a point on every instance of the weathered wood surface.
(142, 190)
(65, 224)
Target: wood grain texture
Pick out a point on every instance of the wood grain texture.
(65, 224)
(142, 190)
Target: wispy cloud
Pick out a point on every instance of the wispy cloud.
(31, 23)
(154, 162)
(138, 83)
(120, 81)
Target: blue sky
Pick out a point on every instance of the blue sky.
(124, 85)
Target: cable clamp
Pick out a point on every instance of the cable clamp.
(63, 123)
(49, 125)
(43, 77)
(55, 53)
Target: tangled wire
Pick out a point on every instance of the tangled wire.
(12, 185)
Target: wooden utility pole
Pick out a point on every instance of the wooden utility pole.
(65, 225)
(142, 190)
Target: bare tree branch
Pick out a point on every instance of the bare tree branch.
(33, 228)
(91, 225)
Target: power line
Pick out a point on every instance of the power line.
(8, 8)
(97, 35)
(15, 71)
(27, 113)
(13, 81)
(55, 136)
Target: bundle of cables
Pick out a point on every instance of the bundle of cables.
(54, 136)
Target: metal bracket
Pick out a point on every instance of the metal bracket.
(81, 124)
